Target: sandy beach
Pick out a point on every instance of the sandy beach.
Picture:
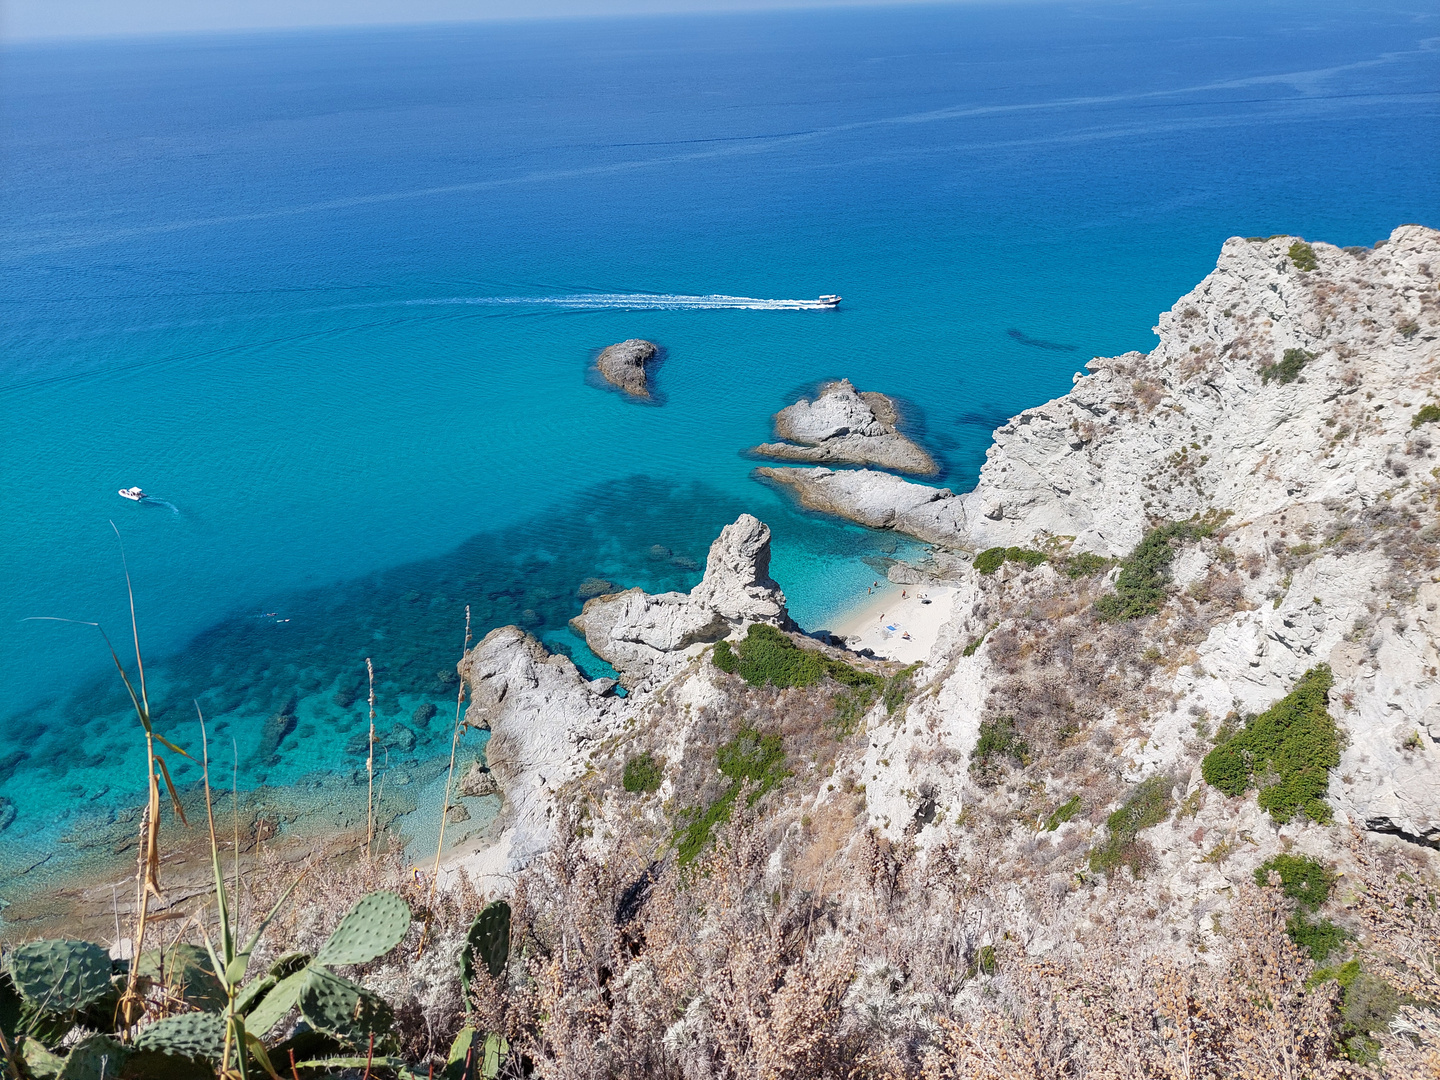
(881, 621)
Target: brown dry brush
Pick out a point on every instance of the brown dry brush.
(732, 969)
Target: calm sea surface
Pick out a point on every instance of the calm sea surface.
(331, 298)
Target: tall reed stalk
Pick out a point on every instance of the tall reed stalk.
(449, 783)
(147, 875)
(370, 766)
(231, 961)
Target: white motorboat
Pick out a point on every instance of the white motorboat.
(829, 300)
(134, 494)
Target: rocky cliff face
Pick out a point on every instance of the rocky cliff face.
(1183, 537)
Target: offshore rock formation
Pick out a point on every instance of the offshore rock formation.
(844, 426)
(877, 500)
(645, 636)
(623, 365)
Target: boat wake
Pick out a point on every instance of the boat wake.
(639, 302)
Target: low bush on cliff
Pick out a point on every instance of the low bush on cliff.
(767, 656)
(1144, 573)
(1428, 414)
(1303, 256)
(752, 759)
(1085, 564)
(643, 774)
(1288, 751)
(1305, 880)
(999, 745)
(1287, 368)
(990, 560)
(1149, 804)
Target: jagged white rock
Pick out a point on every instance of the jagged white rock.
(543, 715)
(843, 425)
(646, 637)
(877, 500)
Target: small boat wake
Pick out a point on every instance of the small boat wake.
(134, 494)
(643, 302)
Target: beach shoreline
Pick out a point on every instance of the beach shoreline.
(916, 610)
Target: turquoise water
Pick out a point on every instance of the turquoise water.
(331, 297)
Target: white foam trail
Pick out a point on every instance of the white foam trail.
(639, 302)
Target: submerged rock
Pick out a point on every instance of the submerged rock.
(623, 365)
(846, 426)
(593, 586)
(639, 633)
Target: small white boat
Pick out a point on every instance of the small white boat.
(829, 300)
(134, 494)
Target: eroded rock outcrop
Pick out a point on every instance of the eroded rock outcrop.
(643, 636)
(542, 714)
(624, 365)
(877, 500)
(845, 426)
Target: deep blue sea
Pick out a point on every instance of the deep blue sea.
(331, 298)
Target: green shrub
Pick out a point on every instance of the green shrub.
(990, 560)
(1428, 414)
(1144, 573)
(1149, 804)
(643, 774)
(1319, 938)
(1290, 748)
(897, 687)
(1085, 564)
(999, 743)
(1303, 256)
(1306, 881)
(768, 656)
(1063, 813)
(752, 756)
(725, 658)
(1288, 369)
(973, 644)
(1408, 329)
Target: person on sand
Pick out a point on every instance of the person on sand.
(904, 595)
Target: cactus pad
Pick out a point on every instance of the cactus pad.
(374, 926)
(274, 1006)
(185, 972)
(189, 1035)
(97, 1058)
(487, 942)
(56, 976)
(339, 1007)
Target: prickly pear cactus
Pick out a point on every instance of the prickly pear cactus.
(259, 989)
(56, 976)
(339, 1007)
(185, 972)
(276, 1004)
(487, 942)
(496, 1050)
(97, 1058)
(373, 927)
(189, 1035)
